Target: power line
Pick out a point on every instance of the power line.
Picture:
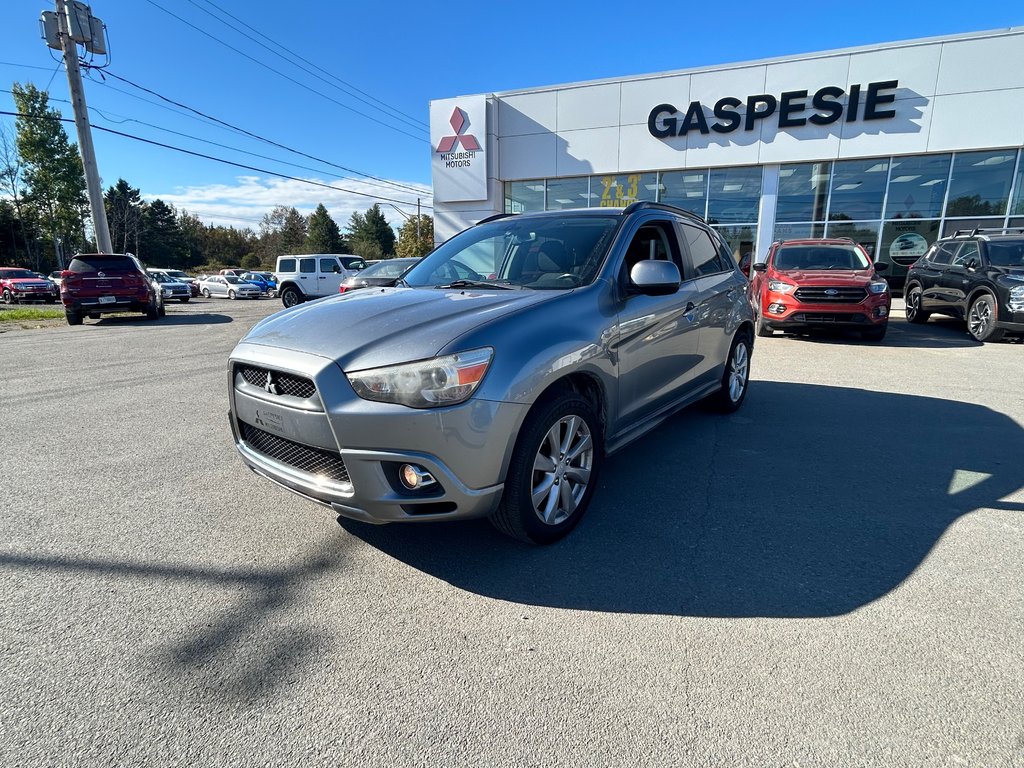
(257, 136)
(216, 159)
(317, 71)
(127, 119)
(282, 74)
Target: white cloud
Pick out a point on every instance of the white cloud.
(244, 203)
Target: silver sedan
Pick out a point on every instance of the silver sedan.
(228, 287)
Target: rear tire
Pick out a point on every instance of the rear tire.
(553, 472)
(206, 293)
(152, 312)
(73, 318)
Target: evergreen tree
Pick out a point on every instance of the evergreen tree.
(411, 245)
(369, 229)
(162, 244)
(293, 232)
(123, 204)
(53, 174)
(323, 236)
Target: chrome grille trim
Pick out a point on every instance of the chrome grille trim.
(285, 383)
(323, 465)
(819, 295)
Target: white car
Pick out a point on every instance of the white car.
(229, 287)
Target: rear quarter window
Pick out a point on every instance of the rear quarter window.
(286, 265)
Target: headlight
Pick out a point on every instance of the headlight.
(427, 384)
(777, 286)
(1017, 299)
(166, 292)
(878, 286)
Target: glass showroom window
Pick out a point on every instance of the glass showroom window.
(950, 226)
(980, 184)
(568, 193)
(686, 189)
(858, 190)
(1017, 207)
(863, 232)
(917, 187)
(786, 231)
(906, 240)
(803, 192)
(734, 195)
(524, 196)
(618, 191)
(741, 240)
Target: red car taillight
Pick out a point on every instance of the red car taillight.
(342, 288)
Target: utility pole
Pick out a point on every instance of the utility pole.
(417, 221)
(73, 24)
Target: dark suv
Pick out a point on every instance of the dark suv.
(99, 283)
(977, 276)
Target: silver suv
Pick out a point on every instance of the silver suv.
(497, 375)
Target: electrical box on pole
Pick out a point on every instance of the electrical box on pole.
(98, 42)
(50, 25)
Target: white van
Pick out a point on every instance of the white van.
(310, 276)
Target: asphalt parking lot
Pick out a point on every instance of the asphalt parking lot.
(832, 576)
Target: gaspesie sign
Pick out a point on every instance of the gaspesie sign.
(794, 108)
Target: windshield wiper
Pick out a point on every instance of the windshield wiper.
(503, 285)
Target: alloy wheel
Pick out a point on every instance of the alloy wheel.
(980, 317)
(561, 469)
(739, 369)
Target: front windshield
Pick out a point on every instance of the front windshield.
(177, 273)
(15, 274)
(820, 257)
(159, 277)
(537, 253)
(1009, 254)
(387, 268)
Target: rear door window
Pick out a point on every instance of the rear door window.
(307, 266)
(703, 253)
(944, 253)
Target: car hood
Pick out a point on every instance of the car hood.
(369, 328)
(837, 277)
(27, 281)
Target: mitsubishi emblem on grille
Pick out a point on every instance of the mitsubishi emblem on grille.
(270, 386)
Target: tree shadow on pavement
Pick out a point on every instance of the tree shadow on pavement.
(812, 501)
(200, 318)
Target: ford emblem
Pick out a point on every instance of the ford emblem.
(831, 292)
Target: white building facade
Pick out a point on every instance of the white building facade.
(892, 145)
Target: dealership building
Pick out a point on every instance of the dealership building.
(892, 145)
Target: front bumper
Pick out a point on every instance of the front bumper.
(872, 312)
(466, 448)
(35, 295)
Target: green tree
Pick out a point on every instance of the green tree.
(293, 232)
(283, 230)
(123, 204)
(369, 229)
(53, 175)
(408, 242)
(162, 244)
(323, 234)
(12, 186)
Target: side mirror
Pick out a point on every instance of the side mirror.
(973, 263)
(337, 269)
(760, 266)
(655, 277)
(881, 266)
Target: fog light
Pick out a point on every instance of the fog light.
(881, 311)
(777, 308)
(414, 477)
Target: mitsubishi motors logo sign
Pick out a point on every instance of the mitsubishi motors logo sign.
(459, 122)
(458, 136)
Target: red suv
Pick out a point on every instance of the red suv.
(17, 284)
(100, 283)
(820, 283)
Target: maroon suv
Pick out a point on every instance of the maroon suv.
(99, 283)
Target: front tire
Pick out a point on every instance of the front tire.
(553, 472)
(736, 377)
(206, 293)
(8, 298)
(231, 295)
(915, 314)
(981, 319)
(762, 328)
(290, 297)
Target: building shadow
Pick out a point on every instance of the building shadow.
(813, 501)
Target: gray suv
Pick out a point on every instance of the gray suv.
(496, 376)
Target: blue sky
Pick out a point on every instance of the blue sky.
(402, 54)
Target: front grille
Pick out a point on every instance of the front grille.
(282, 383)
(822, 295)
(315, 461)
(829, 317)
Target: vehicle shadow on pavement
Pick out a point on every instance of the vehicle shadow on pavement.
(171, 318)
(940, 333)
(812, 501)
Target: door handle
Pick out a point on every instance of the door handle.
(323, 277)
(302, 277)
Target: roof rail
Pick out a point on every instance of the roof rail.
(980, 231)
(642, 204)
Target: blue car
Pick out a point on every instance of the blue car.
(264, 280)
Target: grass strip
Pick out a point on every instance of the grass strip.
(23, 314)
